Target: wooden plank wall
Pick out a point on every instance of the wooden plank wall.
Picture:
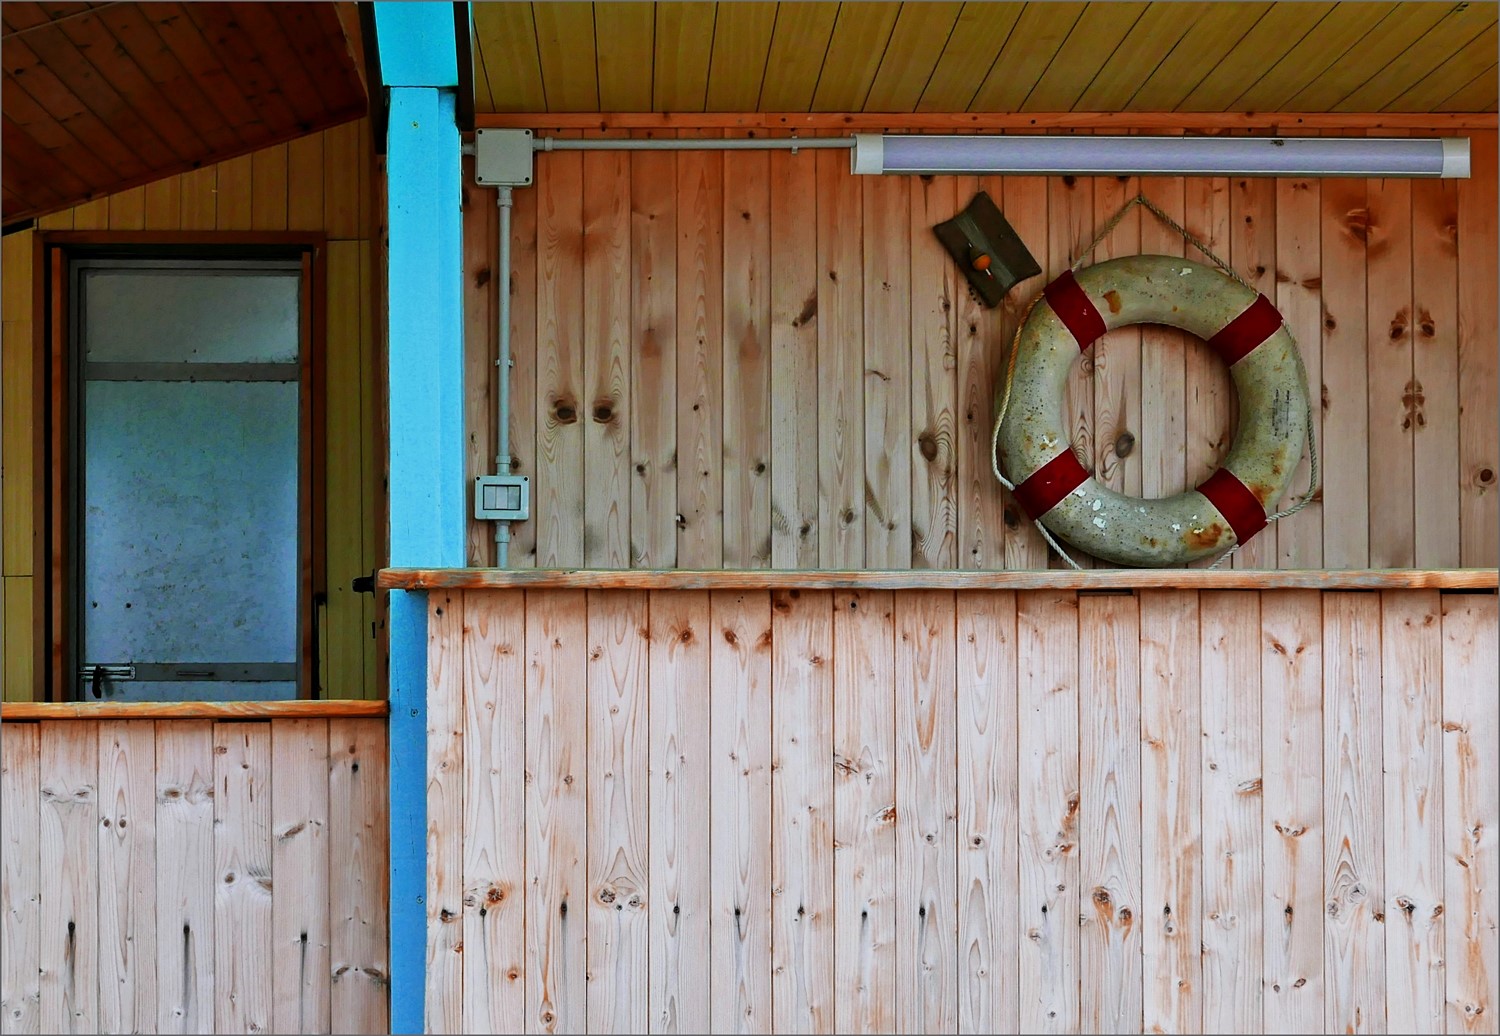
(803, 381)
(977, 811)
(322, 182)
(194, 876)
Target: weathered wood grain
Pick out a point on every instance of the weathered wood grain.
(1070, 229)
(678, 855)
(242, 873)
(1252, 253)
(698, 446)
(935, 287)
(740, 808)
(1434, 399)
(802, 903)
(481, 378)
(186, 710)
(20, 878)
(301, 932)
(1209, 399)
(494, 789)
(127, 877)
(358, 810)
(69, 841)
(1478, 366)
(618, 809)
(976, 355)
(1345, 399)
(927, 805)
(1118, 356)
(886, 380)
(866, 821)
(1047, 779)
(1299, 273)
(1109, 821)
(1292, 814)
(187, 986)
(1231, 794)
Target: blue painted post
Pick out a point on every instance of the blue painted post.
(425, 390)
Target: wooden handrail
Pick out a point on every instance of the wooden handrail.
(51, 710)
(932, 579)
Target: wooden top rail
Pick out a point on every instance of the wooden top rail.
(347, 709)
(931, 579)
(1290, 122)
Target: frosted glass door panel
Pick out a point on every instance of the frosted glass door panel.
(189, 529)
(177, 316)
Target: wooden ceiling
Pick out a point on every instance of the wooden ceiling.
(103, 96)
(986, 57)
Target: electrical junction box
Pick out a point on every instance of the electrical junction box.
(502, 157)
(502, 498)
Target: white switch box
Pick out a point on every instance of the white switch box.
(502, 498)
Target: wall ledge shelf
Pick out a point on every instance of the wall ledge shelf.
(1120, 579)
(12, 711)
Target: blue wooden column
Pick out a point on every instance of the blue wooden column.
(419, 73)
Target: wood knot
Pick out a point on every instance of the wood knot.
(604, 412)
(1124, 444)
(564, 411)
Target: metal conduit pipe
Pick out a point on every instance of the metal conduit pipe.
(503, 362)
(734, 144)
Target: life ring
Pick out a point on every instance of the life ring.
(1242, 327)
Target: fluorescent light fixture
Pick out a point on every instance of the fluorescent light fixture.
(1164, 156)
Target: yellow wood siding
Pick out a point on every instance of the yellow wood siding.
(323, 182)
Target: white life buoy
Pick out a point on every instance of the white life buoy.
(1241, 326)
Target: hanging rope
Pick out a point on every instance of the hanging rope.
(1315, 474)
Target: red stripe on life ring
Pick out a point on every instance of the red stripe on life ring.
(1244, 334)
(1045, 487)
(1235, 502)
(1075, 309)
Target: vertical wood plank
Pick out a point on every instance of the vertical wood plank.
(1047, 764)
(525, 358)
(341, 472)
(840, 301)
(1299, 538)
(700, 372)
(300, 860)
(1070, 228)
(1209, 394)
(242, 877)
(164, 204)
(748, 407)
(556, 811)
(233, 198)
(1411, 658)
(1171, 838)
(20, 878)
(887, 365)
(802, 948)
(1118, 355)
(1029, 213)
(865, 819)
(1292, 824)
(1478, 365)
(268, 188)
(127, 209)
(69, 840)
(200, 188)
(606, 359)
(1229, 661)
(926, 793)
(481, 378)
(982, 525)
(371, 516)
(342, 158)
(934, 384)
(1353, 855)
(1471, 791)
(1391, 392)
(740, 806)
(795, 283)
(988, 971)
(653, 370)
(494, 958)
(559, 345)
(1345, 389)
(618, 810)
(92, 215)
(445, 813)
(358, 897)
(185, 876)
(304, 173)
(1434, 404)
(681, 759)
(1252, 252)
(1109, 842)
(127, 876)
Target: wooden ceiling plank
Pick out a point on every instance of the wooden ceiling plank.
(565, 45)
(119, 69)
(1315, 53)
(330, 71)
(1283, 27)
(62, 104)
(917, 43)
(1441, 44)
(53, 137)
(981, 31)
(742, 43)
(247, 72)
(1038, 36)
(180, 35)
(263, 32)
(128, 25)
(1212, 36)
(1376, 50)
(1439, 84)
(31, 170)
(1478, 94)
(684, 43)
(1148, 44)
(861, 34)
(798, 47)
(1098, 35)
(20, 16)
(505, 36)
(625, 33)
